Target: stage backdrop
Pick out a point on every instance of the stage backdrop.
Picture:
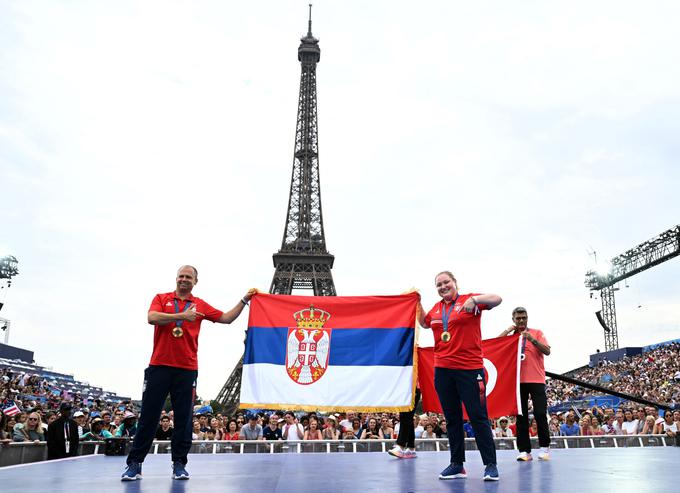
(501, 368)
(330, 353)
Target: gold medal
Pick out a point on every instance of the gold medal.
(446, 336)
(177, 332)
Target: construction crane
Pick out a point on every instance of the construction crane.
(640, 258)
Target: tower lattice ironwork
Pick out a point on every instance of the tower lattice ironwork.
(303, 262)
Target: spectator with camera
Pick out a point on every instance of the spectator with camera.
(372, 430)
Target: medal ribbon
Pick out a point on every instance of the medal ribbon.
(447, 313)
(178, 323)
(524, 343)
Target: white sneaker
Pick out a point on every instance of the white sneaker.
(544, 454)
(524, 457)
(410, 453)
(398, 452)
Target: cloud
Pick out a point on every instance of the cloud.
(501, 142)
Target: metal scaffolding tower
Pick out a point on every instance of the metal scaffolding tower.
(644, 256)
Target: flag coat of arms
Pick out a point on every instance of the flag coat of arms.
(330, 353)
(502, 358)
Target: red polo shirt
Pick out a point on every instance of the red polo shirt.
(180, 352)
(532, 369)
(464, 349)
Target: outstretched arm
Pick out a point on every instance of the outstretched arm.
(231, 315)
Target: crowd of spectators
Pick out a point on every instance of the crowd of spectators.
(31, 403)
(652, 375)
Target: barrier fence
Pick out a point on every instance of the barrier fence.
(22, 453)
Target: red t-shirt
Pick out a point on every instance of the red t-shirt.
(464, 349)
(532, 369)
(179, 352)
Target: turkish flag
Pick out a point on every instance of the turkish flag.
(501, 370)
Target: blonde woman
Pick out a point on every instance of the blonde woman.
(648, 426)
(313, 432)
(30, 431)
(585, 427)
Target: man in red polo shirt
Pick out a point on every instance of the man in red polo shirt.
(531, 382)
(176, 317)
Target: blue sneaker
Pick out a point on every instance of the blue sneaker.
(133, 472)
(491, 473)
(453, 471)
(179, 471)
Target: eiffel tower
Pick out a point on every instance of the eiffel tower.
(303, 261)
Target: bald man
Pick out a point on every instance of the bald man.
(176, 317)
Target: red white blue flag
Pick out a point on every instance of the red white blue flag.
(330, 353)
(10, 408)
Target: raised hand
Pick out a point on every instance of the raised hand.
(250, 294)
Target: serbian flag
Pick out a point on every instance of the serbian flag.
(330, 353)
(501, 369)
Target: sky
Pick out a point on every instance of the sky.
(518, 145)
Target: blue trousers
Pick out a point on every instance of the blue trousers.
(159, 381)
(467, 387)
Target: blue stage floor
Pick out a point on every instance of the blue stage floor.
(620, 470)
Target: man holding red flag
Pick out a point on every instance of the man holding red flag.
(532, 382)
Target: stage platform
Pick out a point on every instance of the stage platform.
(569, 471)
